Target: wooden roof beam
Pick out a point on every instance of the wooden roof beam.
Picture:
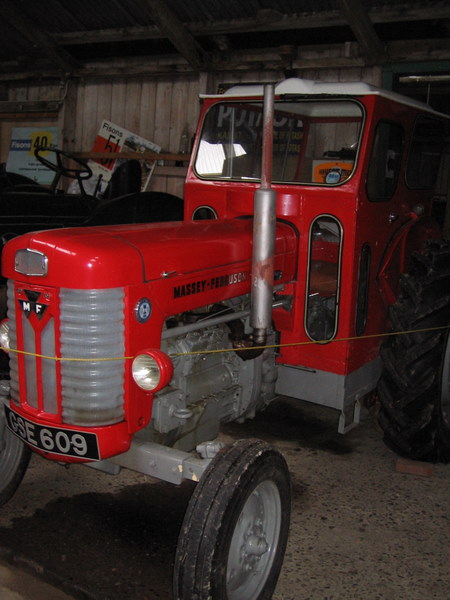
(172, 28)
(268, 59)
(43, 42)
(358, 19)
(307, 20)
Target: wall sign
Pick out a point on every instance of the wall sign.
(21, 159)
(114, 138)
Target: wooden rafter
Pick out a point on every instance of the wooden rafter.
(362, 27)
(58, 56)
(29, 106)
(48, 56)
(174, 30)
(313, 20)
(268, 59)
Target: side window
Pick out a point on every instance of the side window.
(385, 161)
(425, 153)
(322, 301)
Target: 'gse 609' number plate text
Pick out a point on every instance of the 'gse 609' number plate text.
(66, 442)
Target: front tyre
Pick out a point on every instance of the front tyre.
(414, 388)
(235, 530)
(14, 459)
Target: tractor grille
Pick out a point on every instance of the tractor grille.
(91, 329)
(13, 357)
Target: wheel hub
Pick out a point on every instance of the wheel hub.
(254, 543)
(256, 546)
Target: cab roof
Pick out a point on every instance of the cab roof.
(307, 87)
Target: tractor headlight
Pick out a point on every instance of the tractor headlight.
(152, 370)
(4, 335)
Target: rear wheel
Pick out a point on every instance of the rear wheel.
(14, 459)
(234, 535)
(414, 388)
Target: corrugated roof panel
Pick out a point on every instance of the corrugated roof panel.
(248, 24)
(58, 16)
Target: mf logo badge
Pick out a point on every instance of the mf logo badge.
(32, 304)
(143, 310)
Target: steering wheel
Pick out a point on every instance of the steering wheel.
(61, 169)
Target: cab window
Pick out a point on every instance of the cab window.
(314, 142)
(425, 153)
(385, 159)
(322, 297)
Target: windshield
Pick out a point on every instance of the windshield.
(314, 141)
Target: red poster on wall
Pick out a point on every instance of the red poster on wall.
(114, 138)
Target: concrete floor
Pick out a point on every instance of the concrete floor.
(17, 584)
(360, 529)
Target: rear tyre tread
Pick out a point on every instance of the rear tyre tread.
(410, 385)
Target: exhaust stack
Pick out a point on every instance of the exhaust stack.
(264, 223)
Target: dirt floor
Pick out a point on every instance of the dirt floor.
(360, 530)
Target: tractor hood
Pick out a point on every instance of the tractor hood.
(103, 257)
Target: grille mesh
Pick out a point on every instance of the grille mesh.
(91, 326)
(13, 357)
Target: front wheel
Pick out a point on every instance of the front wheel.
(234, 534)
(414, 388)
(14, 459)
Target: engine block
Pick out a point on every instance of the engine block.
(211, 384)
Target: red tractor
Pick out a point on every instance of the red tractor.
(306, 241)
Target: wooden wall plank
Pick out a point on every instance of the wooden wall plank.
(118, 101)
(193, 104)
(157, 108)
(67, 118)
(133, 105)
(79, 116)
(19, 92)
(178, 115)
(163, 114)
(89, 115)
(147, 113)
(104, 103)
(161, 135)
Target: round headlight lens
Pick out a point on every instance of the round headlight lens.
(146, 372)
(4, 336)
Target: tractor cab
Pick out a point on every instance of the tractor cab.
(353, 168)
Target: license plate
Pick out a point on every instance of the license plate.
(65, 442)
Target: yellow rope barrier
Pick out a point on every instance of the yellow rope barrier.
(62, 359)
(224, 350)
(311, 342)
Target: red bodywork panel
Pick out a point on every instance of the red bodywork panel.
(124, 255)
(177, 266)
(364, 222)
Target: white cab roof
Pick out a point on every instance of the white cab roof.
(296, 86)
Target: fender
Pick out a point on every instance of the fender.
(410, 236)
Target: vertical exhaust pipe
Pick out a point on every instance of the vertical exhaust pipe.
(264, 224)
